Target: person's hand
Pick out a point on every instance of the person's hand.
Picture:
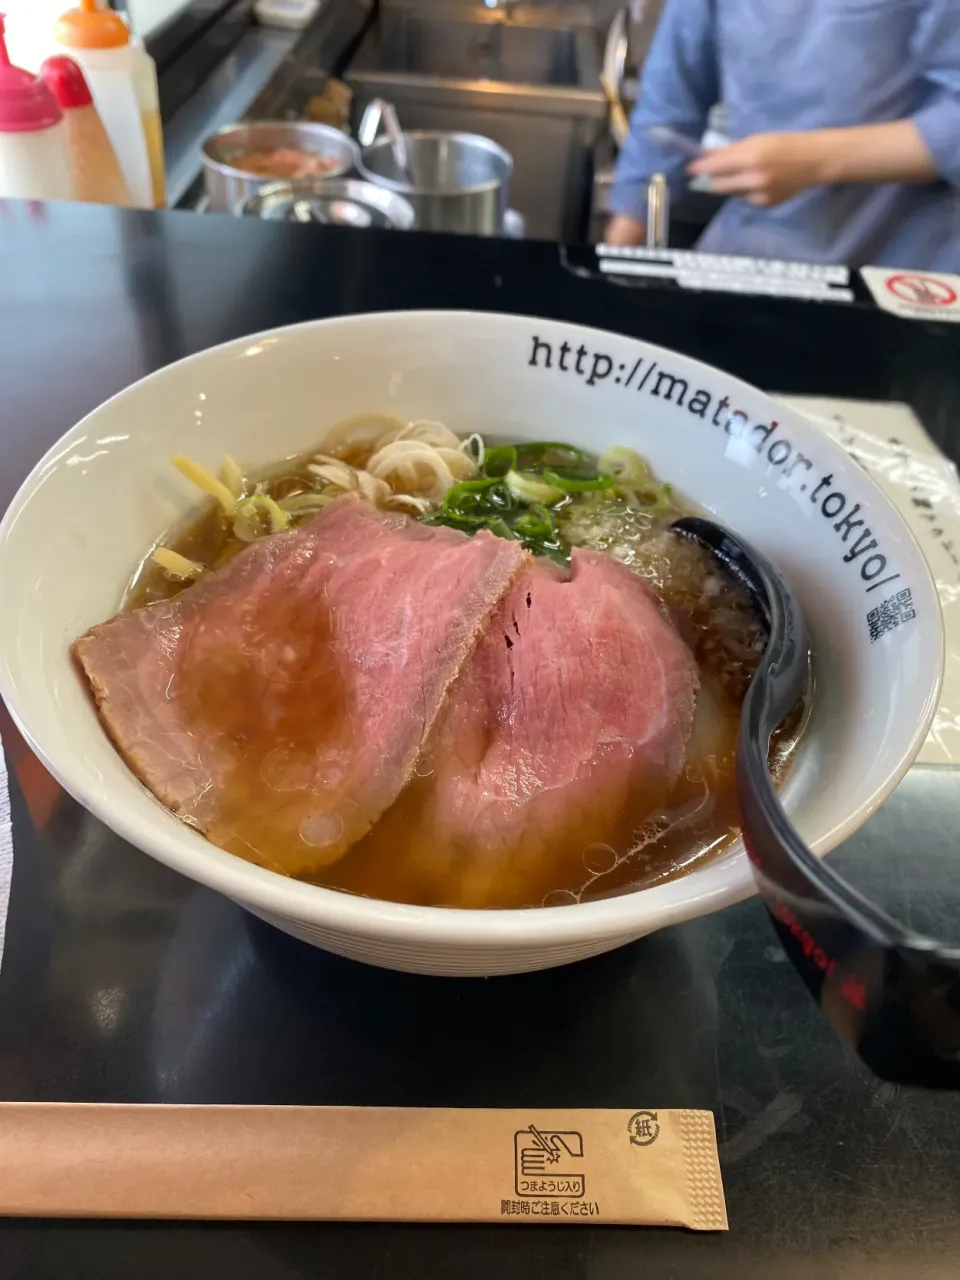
(767, 168)
(622, 229)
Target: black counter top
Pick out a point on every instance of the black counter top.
(101, 297)
(122, 981)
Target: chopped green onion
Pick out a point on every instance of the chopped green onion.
(500, 498)
(500, 527)
(535, 523)
(531, 488)
(654, 496)
(472, 486)
(461, 520)
(469, 500)
(248, 524)
(579, 482)
(627, 468)
(498, 461)
(456, 520)
(275, 514)
(547, 453)
(653, 499)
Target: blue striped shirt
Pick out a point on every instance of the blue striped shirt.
(784, 65)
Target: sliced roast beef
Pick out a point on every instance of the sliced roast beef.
(567, 729)
(280, 704)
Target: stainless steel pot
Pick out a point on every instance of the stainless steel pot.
(456, 182)
(227, 186)
(341, 201)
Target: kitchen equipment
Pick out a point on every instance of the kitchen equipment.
(658, 212)
(345, 201)
(291, 15)
(528, 81)
(227, 186)
(99, 41)
(380, 112)
(459, 182)
(97, 175)
(34, 164)
(84, 517)
(514, 225)
(612, 73)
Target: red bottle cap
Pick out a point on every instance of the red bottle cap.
(66, 82)
(26, 104)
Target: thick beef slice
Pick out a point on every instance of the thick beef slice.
(568, 728)
(280, 704)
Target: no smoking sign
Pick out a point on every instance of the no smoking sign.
(924, 291)
(915, 295)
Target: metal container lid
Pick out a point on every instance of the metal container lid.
(343, 202)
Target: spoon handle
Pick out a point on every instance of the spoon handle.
(891, 994)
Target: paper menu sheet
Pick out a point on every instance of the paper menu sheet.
(890, 443)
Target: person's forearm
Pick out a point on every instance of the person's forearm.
(623, 229)
(768, 168)
(893, 152)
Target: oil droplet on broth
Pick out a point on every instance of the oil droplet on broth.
(560, 898)
(285, 769)
(330, 772)
(599, 858)
(321, 829)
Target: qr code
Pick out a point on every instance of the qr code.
(890, 614)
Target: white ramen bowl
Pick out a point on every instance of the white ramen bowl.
(106, 490)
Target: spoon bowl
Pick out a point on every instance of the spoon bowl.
(891, 994)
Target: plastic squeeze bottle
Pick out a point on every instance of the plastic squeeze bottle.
(97, 175)
(148, 97)
(33, 152)
(99, 41)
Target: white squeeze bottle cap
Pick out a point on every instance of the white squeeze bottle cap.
(99, 41)
(33, 153)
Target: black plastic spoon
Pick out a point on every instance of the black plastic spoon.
(892, 994)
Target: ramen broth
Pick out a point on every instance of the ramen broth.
(207, 537)
(398, 860)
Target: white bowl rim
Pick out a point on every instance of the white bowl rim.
(615, 918)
